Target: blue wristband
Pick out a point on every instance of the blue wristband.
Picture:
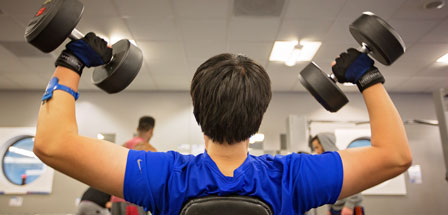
(54, 85)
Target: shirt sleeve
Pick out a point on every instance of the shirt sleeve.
(146, 178)
(318, 179)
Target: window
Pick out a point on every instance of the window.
(20, 165)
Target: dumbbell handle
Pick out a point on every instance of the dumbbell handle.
(76, 35)
(364, 49)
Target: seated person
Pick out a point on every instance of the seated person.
(326, 142)
(230, 94)
(94, 201)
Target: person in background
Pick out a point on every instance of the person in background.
(326, 142)
(93, 202)
(145, 131)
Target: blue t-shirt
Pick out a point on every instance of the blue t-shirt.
(163, 181)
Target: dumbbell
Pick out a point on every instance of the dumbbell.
(56, 20)
(376, 37)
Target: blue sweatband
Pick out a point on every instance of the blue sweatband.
(54, 85)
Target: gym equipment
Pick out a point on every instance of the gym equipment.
(376, 37)
(223, 205)
(56, 20)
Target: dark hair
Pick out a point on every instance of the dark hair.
(230, 94)
(310, 143)
(145, 123)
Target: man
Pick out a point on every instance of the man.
(145, 131)
(230, 94)
(326, 142)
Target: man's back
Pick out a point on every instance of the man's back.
(285, 183)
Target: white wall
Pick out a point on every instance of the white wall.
(175, 125)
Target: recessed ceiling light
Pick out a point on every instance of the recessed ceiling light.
(443, 59)
(434, 4)
(282, 50)
(288, 52)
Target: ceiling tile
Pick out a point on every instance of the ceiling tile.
(253, 29)
(393, 83)
(27, 80)
(437, 34)
(423, 84)
(434, 70)
(314, 9)
(210, 9)
(330, 51)
(162, 50)
(143, 81)
(39, 65)
(105, 27)
(8, 84)
(339, 32)
(98, 8)
(254, 50)
(9, 62)
(413, 10)
(166, 67)
(11, 30)
(298, 29)
(411, 31)
(283, 82)
(20, 7)
(426, 52)
(383, 8)
(145, 9)
(204, 49)
(152, 29)
(203, 29)
(174, 82)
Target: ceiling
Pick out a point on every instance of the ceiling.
(176, 36)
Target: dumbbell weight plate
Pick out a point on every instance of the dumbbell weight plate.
(381, 39)
(52, 24)
(121, 71)
(323, 89)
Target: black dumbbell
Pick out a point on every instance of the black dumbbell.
(56, 20)
(376, 37)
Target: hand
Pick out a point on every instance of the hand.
(88, 51)
(347, 211)
(357, 68)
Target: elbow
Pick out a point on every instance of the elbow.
(39, 148)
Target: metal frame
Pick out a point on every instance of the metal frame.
(440, 96)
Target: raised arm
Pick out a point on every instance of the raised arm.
(98, 163)
(389, 154)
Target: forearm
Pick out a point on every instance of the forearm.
(56, 120)
(387, 130)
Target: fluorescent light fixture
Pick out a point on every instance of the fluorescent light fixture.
(349, 84)
(443, 59)
(292, 60)
(282, 50)
(100, 136)
(309, 49)
(288, 52)
(23, 152)
(256, 138)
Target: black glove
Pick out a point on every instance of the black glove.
(88, 51)
(357, 68)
